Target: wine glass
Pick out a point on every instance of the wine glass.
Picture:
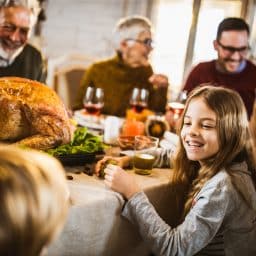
(93, 101)
(139, 99)
(175, 107)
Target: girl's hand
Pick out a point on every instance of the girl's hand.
(120, 161)
(120, 181)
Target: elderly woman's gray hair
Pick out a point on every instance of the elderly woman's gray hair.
(32, 5)
(130, 27)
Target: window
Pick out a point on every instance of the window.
(212, 12)
(173, 26)
(253, 37)
(171, 37)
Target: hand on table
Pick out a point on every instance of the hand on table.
(159, 80)
(121, 161)
(120, 181)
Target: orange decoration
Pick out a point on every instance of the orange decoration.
(133, 128)
(132, 115)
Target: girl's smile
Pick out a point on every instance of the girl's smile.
(199, 133)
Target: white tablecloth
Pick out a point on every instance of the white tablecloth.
(94, 225)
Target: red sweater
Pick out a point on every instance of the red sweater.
(244, 82)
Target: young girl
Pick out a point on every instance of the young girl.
(214, 165)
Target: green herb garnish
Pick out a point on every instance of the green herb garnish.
(83, 142)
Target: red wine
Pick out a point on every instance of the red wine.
(176, 108)
(138, 107)
(93, 109)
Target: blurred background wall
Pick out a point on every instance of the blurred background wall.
(184, 29)
(84, 26)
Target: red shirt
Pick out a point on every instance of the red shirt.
(243, 82)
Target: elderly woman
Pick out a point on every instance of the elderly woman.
(129, 68)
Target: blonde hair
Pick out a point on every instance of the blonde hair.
(234, 142)
(130, 27)
(34, 200)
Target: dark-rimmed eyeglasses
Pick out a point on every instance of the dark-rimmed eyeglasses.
(231, 49)
(148, 41)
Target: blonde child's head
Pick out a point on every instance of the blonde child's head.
(34, 200)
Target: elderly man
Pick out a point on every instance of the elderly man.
(231, 69)
(17, 57)
(128, 69)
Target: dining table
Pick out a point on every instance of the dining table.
(94, 224)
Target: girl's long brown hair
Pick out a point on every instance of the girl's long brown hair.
(233, 134)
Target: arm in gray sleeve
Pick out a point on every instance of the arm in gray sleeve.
(198, 229)
(163, 157)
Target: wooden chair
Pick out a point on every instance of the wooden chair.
(65, 74)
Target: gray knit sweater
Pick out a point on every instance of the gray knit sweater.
(219, 223)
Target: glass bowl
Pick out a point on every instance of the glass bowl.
(126, 142)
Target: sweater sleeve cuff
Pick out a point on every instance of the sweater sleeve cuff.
(132, 203)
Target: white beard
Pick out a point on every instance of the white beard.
(9, 56)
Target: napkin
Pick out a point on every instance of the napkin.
(170, 140)
(112, 128)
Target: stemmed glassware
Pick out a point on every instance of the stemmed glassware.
(176, 106)
(93, 101)
(139, 99)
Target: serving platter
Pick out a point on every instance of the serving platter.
(77, 159)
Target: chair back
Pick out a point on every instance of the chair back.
(65, 74)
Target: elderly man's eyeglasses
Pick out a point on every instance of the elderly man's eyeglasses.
(148, 41)
(231, 49)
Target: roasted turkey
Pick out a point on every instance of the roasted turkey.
(32, 114)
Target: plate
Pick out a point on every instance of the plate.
(91, 122)
(77, 159)
(127, 153)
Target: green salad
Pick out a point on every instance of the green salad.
(83, 142)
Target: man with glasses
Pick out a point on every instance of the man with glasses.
(17, 57)
(231, 69)
(129, 68)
